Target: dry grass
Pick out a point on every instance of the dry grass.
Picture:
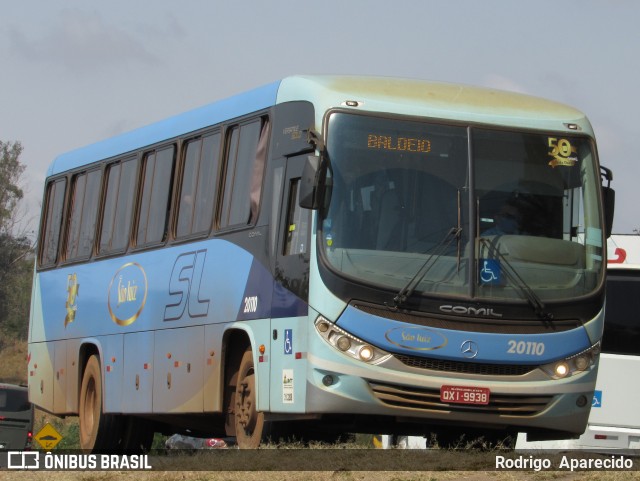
(13, 368)
(320, 476)
(195, 470)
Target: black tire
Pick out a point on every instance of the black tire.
(98, 431)
(137, 434)
(249, 423)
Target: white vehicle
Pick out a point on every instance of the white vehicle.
(614, 422)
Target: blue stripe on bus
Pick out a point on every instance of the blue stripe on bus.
(211, 281)
(414, 340)
(172, 127)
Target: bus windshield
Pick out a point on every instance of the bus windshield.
(481, 213)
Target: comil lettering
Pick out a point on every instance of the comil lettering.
(470, 311)
(407, 144)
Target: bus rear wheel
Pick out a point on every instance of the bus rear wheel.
(98, 431)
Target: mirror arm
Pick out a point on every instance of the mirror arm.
(314, 138)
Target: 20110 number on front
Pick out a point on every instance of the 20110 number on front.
(530, 348)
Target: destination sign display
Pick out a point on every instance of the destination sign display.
(398, 143)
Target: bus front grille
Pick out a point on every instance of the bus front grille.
(483, 369)
(429, 400)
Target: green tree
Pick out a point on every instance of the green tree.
(16, 265)
(11, 171)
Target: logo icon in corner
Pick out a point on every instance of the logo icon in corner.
(127, 294)
(72, 293)
(469, 349)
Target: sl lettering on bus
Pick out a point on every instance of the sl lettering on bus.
(184, 287)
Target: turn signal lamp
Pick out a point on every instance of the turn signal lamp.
(343, 343)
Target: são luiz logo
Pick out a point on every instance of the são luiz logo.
(127, 294)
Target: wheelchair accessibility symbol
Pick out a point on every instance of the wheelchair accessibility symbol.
(597, 399)
(490, 273)
(288, 341)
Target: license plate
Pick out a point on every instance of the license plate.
(464, 395)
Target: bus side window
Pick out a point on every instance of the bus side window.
(199, 186)
(297, 225)
(246, 156)
(118, 206)
(82, 218)
(156, 194)
(52, 222)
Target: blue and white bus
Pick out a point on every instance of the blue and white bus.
(327, 253)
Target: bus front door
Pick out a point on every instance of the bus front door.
(290, 298)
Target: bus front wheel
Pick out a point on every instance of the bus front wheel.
(249, 423)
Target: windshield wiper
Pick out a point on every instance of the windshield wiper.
(406, 292)
(521, 285)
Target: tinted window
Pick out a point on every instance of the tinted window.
(297, 235)
(622, 326)
(156, 193)
(14, 400)
(199, 186)
(243, 176)
(52, 222)
(82, 219)
(118, 206)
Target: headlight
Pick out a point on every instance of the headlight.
(574, 364)
(348, 344)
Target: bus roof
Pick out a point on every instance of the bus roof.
(375, 94)
(211, 114)
(437, 100)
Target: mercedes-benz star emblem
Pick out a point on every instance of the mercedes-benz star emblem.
(469, 349)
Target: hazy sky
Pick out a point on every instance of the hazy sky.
(78, 71)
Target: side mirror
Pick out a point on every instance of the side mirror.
(309, 198)
(608, 200)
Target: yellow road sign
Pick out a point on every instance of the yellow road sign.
(48, 437)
